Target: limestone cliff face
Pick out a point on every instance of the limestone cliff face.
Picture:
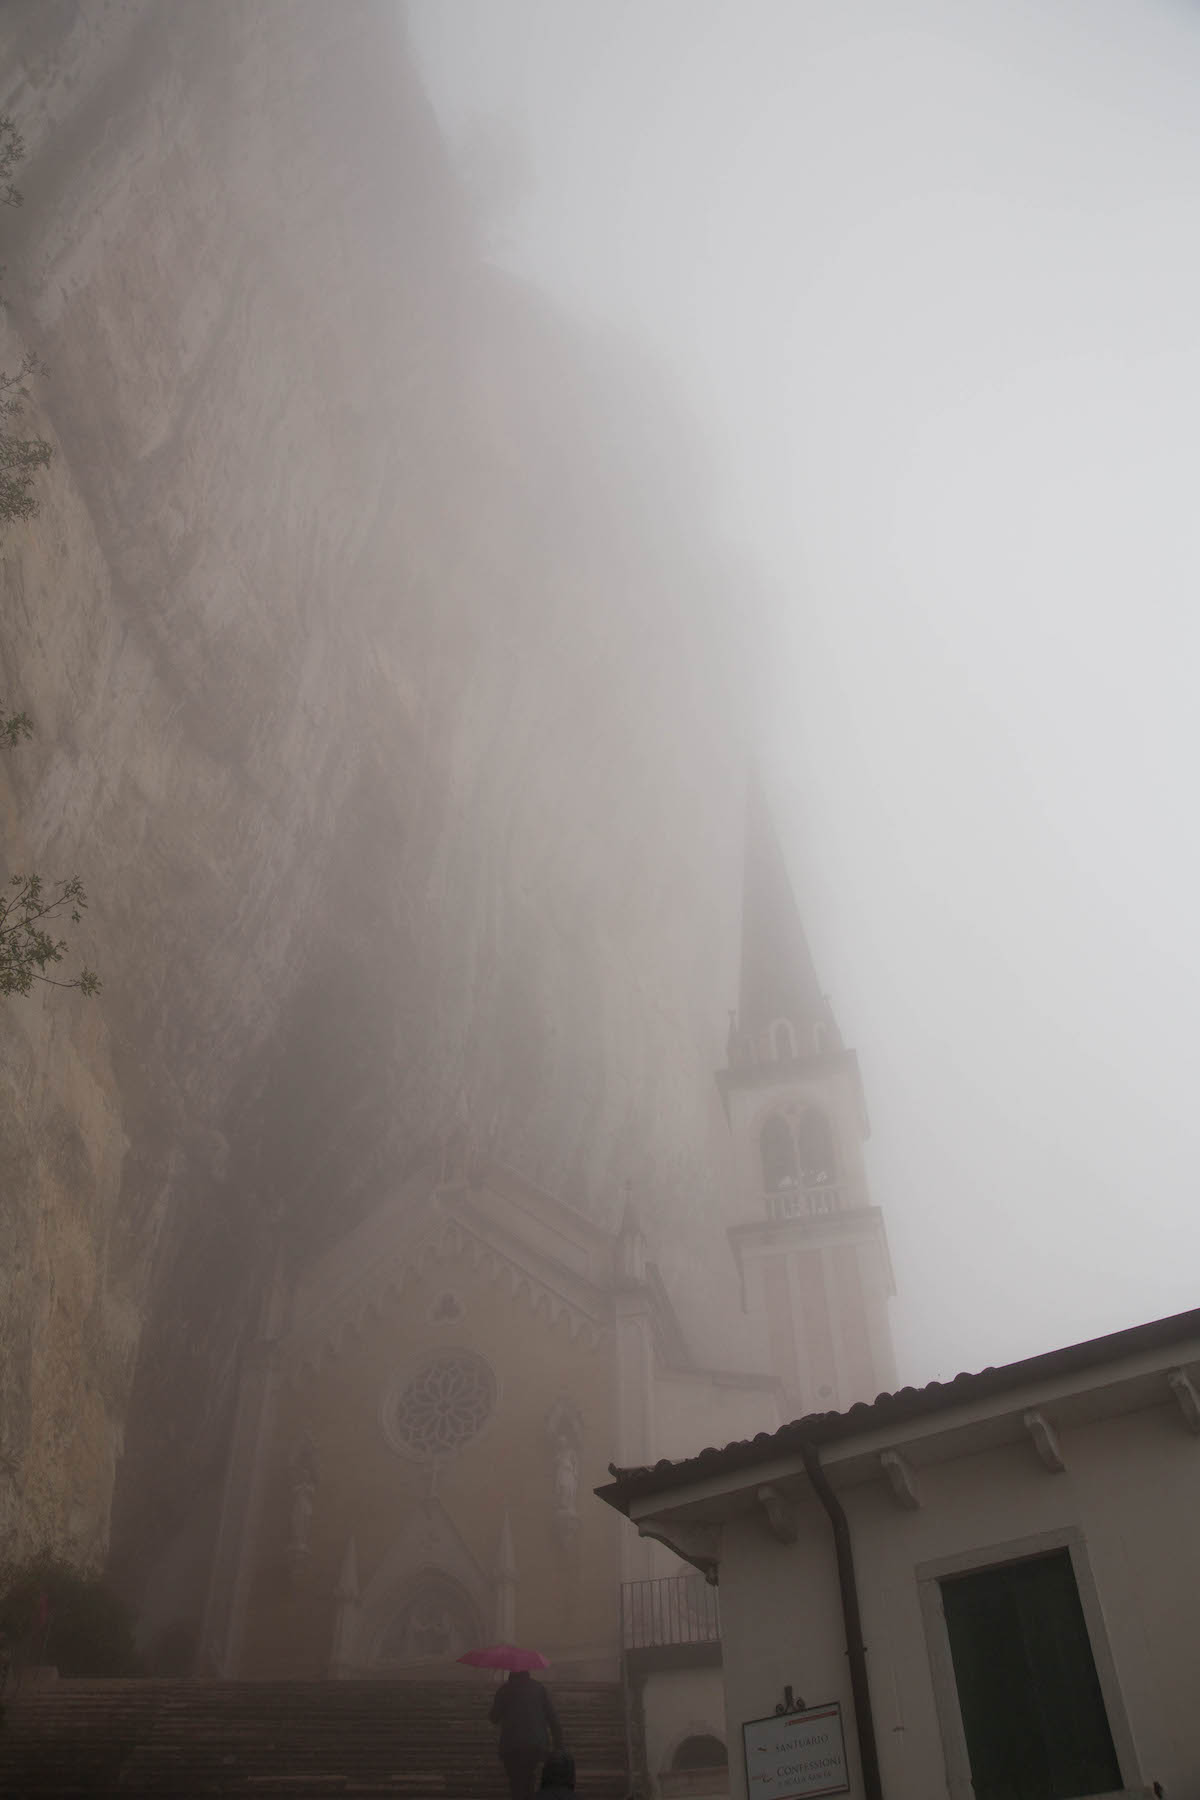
(387, 701)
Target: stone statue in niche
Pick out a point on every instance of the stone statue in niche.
(435, 1624)
(304, 1476)
(739, 1051)
(432, 1633)
(566, 1476)
(564, 1429)
(446, 1309)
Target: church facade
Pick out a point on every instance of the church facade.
(430, 1405)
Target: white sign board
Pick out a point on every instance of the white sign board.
(798, 1754)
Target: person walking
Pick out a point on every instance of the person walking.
(528, 1725)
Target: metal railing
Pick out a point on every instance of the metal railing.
(804, 1202)
(675, 1609)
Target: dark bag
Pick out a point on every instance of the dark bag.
(558, 1776)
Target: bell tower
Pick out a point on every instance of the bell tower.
(810, 1246)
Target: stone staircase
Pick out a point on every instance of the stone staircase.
(423, 1740)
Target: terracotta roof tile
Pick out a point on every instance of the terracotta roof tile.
(891, 1408)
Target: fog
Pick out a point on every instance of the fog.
(928, 275)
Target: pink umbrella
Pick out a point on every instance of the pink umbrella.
(504, 1656)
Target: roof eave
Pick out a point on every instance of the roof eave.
(909, 1405)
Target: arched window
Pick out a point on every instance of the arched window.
(783, 1040)
(779, 1167)
(439, 1404)
(814, 1148)
(705, 1752)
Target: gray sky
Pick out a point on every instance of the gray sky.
(929, 271)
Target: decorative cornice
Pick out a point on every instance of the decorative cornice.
(1045, 1441)
(1186, 1397)
(901, 1479)
(780, 1514)
(315, 1342)
(772, 1073)
(848, 1224)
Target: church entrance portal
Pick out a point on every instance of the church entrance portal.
(434, 1622)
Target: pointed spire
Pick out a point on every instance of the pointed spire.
(631, 1244)
(505, 1568)
(778, 978)
(347, 1581)
(504, 1586)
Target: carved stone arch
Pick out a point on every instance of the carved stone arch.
(696, 1762)
(700, 1746)
(432, 1620)
(426, 1593)
(816, 1151)
(565, 1420)
(777, 1150)
(783, 1041)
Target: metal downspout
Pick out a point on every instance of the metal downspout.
(856, 1650)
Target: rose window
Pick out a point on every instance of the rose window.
(441, 1406)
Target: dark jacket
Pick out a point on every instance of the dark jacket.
(525, 1714)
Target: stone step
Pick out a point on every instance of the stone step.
(428, 1741)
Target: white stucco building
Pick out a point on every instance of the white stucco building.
(1022, 1549)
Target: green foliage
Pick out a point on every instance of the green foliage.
(27, 948)
(51, 1613)
(21, 458)
(12, 149)
(14, 727)
(29, 908)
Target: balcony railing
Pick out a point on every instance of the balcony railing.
(675, 1609)
(804, 1202)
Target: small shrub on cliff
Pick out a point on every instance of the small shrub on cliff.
(29, 907)
(12, 149)
(20, 457)
(27, 949)
(51, 1613)
(31, 910)
(14, 727)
